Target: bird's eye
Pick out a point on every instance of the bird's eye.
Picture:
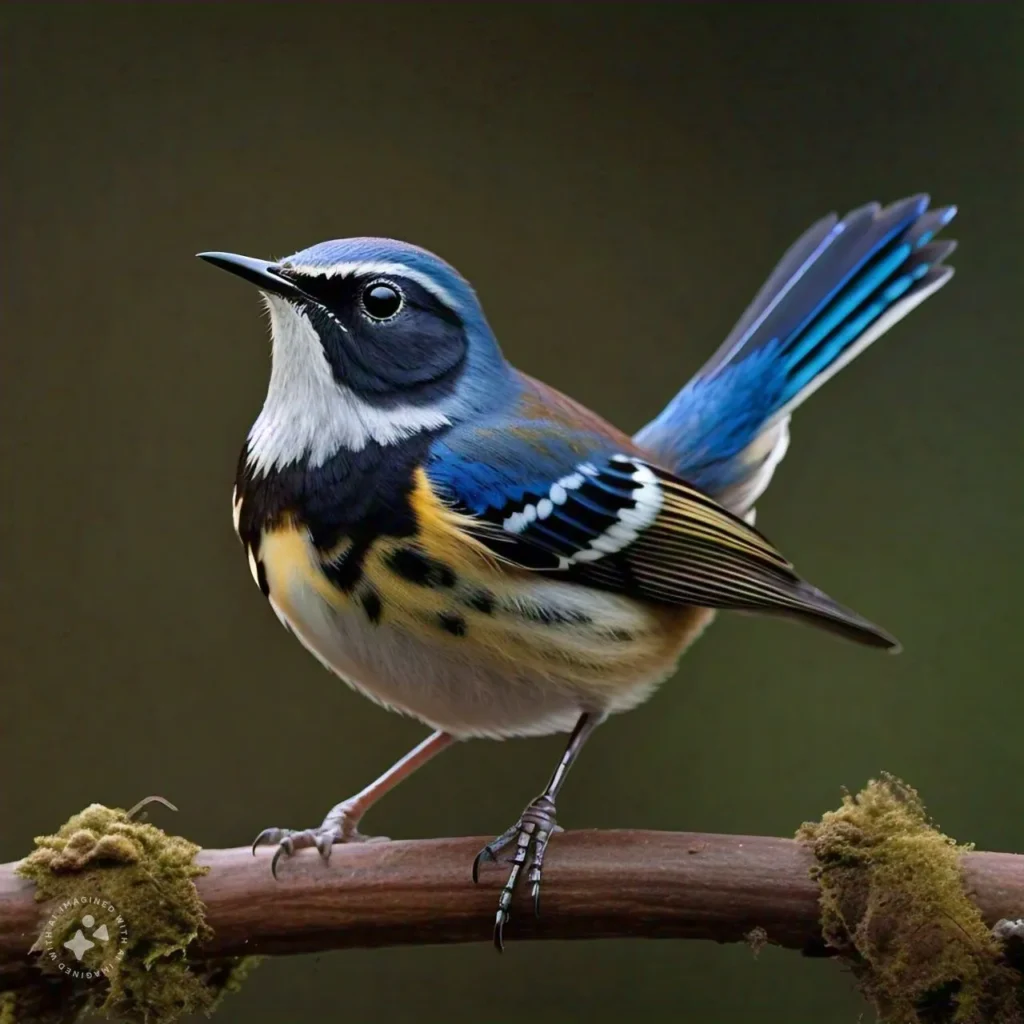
(381, 300)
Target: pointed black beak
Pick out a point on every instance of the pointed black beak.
(266, 276)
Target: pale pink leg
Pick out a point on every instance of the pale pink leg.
(342, 821)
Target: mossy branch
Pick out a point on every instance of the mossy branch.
(873, 883)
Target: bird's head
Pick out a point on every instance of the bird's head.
(374, 340)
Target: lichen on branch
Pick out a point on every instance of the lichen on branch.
(894, 906)
(120, 870)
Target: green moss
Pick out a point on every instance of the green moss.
(137, 880)
(894, 907)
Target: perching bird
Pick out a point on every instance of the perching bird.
(464, 544)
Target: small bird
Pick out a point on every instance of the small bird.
(464, 544)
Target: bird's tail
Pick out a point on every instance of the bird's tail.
(838, 288)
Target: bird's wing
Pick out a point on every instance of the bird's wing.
(551, 487)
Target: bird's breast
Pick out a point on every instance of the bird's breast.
(432, 624)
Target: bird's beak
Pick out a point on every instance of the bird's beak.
(266, 276)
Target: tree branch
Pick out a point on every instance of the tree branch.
(596, 885)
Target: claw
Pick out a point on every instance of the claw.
(493, 848)
(276, 858)
(289, 841)
(336, 828)
(533, 831)
(266, 837)
(499, 927)
(536, 869)
(531, 835)
(486, 853)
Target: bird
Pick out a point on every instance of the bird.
(464, 544)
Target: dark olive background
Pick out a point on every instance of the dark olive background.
(616, 181)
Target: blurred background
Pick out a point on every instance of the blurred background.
(617, 181)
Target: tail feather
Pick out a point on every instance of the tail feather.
(837, 289)
(890, 282)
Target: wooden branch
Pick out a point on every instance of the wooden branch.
(596, 885)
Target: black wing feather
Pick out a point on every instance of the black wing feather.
(626, 526)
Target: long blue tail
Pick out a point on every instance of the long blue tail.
(838, 288)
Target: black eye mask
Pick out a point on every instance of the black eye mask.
(415, 352)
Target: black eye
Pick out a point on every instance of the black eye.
(381, 301)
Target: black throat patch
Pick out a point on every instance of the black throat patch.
(356, 496)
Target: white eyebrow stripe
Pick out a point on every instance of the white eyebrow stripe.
(372, 267)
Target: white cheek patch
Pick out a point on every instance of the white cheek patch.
(308, 414)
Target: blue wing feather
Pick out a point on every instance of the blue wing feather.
(522, 448)
(609, 520)
(491, 467)
(837, 289)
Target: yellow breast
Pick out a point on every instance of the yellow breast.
(446, 591)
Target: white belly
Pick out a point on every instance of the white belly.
(530, 665)
(457, 686)
(461, 696)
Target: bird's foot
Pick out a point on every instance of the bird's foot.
(531, 835)
(340, 826)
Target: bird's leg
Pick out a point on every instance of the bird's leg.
(532, 832)
(342, 822)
